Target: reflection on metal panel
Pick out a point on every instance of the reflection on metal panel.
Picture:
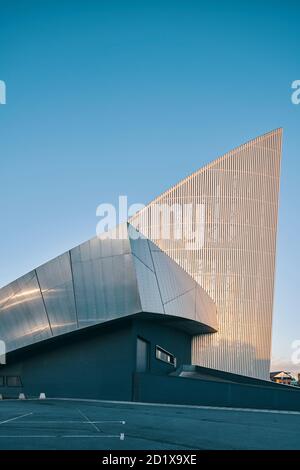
(104, 281)
(233, 253)
(113, 243)
(55, 279)
(148, 288)
(23, 319)
(207, 308)
(172, 279)
(140, 248)
(184, 302)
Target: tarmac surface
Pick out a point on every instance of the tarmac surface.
(84, 424)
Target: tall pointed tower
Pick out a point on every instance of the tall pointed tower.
(230, 207)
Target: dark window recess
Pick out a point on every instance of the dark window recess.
(1, 381)
(165, 356)
(13, 381)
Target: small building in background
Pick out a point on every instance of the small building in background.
(281, 377)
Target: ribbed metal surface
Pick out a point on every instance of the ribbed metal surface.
(235, 206)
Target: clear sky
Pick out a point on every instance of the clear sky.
(127, 97)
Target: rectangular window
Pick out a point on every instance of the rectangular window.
(165, 356)
(13, 381)
(1, 381)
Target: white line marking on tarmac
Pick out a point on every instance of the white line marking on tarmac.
(15, 418)
(25, 436)
(88, 420)
(94, 435)
(41, 421)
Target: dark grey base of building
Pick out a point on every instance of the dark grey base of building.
(134, 359)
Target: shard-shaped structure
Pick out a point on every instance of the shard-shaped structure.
(222, 230)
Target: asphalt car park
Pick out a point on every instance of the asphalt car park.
(83, 424)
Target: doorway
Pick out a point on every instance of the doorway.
(142, 355)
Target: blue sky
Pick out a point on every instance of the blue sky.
(127, 97)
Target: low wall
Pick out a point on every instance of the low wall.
(182, 390)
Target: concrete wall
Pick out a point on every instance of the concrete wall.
(90, 367)
(98, 363)
(182, 390)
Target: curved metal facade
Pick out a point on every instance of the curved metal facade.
(100, 280)
(233, 254)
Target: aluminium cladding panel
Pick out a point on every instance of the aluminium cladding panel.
(165, 287)
(148, 288)
(100, 280)
(233, 254)
(140, 248)
(23, 319)
(185, 302)
(56, 283)
(206, 311)
(172, 279)
(104, 281)
(174, 289)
